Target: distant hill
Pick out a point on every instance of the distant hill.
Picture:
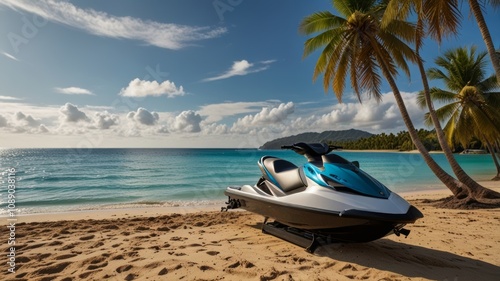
(326, 136)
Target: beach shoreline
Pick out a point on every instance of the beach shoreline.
(132, 210)
(203, 243)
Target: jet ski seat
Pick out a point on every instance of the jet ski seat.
(286, 175)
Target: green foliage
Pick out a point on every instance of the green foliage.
(471, 101)
(400, 141)
(355, 47)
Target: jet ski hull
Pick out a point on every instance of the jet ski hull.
(343, 225)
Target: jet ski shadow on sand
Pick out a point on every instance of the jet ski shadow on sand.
(328, 199)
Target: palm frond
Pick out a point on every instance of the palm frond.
(399, 50)
(442, 96)
(346, 7)
(319, 22)
(446, 112)
(449, 128)
(443, 18)
(428, 120)
(465, 129)
(370, 79)
(436, 74)
(421, 101)
(396, 9)
(323, 39)
(402, 30)
(342, 6)
(489, 84)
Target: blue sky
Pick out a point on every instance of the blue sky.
(218, 73)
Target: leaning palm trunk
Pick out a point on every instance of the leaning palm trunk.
(476, 10)
(495, 160)
(457, 188)
(473, 188)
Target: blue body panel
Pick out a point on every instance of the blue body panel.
(269, 175)
(346, 175)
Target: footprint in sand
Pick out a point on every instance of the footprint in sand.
(110, 226)
(52, 269)
(34, 246)
(87, 237)
(205, 267)
(130, 277)
(163, 271)
(244, 263)
(55, 243)
(123, 268)
(69, 246)
(97, 245)
(64, 257)
(118, 257)
(65, 231)
(96, 266)
(42, 256)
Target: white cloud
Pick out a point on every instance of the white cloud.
(267, 117)
(262, 121)
(218, 111)
(144, 117)
(369, 115)
(9, 56)
(8, 98)
(73, 91)
(71, 113)
(215, 129)
(26, 120)
(22, 123)
(142, 88)
(242, 67)
(104, 120)
(43, 129)
(3, 121)
(163, 35)
(187, 121)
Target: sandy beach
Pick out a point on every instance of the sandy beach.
(205, 244)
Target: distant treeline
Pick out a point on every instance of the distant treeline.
(400, 141)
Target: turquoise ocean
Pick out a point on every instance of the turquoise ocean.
(55, 180)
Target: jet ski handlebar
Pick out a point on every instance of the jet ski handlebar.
(311, 148)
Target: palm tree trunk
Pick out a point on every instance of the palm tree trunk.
(497, 147)
(495, 160)
(476, 10)
(472, 186)
(457, 188)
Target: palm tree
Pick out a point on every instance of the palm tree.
(356, 44)
(437, 19)
(483, 28)
(471, 105)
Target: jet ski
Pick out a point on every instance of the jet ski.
(328, 196)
